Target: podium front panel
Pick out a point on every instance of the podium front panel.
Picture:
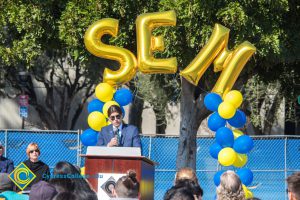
(107, 164)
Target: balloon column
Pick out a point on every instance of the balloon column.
(231, 146)
(97, 109)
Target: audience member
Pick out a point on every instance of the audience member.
(230, 187)
(66, 196)
(182, 193)
(6, 165)
(66, 178)
(127, 186)
(253, 198)
(40, 169)
(186, 177)
(186, 173)
(42, 191)
(5, 183)
(190, 185)
(293, 182)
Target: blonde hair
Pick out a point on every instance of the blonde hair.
(186, 173)
(32, 146)
(230, 187)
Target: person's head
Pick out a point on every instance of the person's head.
(65, 196)
(33, 152)
(5, 183)
(182, 193)
(72, 181)
(65, 168)
(127, 186)
(253, 198)
(293, 182)
(1, 149)
(115, 115)
(230, 187)
(191, 186)
(42, 190)
(186, 173)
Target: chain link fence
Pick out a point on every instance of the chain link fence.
(272, 159)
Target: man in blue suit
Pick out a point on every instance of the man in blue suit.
(118, 133)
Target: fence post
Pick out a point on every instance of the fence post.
(285, 164)
(150, 146)
(5, 143)
(78, 148)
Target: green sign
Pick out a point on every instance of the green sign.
(299, 99)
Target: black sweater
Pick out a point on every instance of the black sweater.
(40, 169)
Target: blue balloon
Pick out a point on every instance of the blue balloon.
(238, 120)
(245, 175)
(89, 137)
(217, 177)
(215, 121)
(123, 96)
(123, 111)
(212, 101)
(243, 144)
(214, 150)
(95, 105)
(224, 137)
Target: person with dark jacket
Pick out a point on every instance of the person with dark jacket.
(6, 165)
(40, 169)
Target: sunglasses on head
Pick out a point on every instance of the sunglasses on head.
(36, 150)
(112, 118)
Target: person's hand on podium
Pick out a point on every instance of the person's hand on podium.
(113, 142)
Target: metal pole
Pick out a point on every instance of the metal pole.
(285, 165)
(23, 122)
(5, 143)
(78, 148)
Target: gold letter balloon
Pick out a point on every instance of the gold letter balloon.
(94, 45)
(147, 43)
(230, 63)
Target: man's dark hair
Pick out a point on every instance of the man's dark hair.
(293, 182)
(182, 193)
(114, 108)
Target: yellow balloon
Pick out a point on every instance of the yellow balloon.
(106, 107)
(82, 171)
(237, 133)
(93, 43)
(104, 92)
(96, 120)
(226, 110)
(234, 97)
(227, 156)
(248, 193)
(241, 160)
(147, 43)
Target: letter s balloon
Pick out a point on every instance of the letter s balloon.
(93, 43)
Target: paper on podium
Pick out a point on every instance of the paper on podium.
(113, 151)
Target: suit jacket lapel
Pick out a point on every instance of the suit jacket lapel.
(111, 132)
(123, 133)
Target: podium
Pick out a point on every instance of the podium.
(118, 160)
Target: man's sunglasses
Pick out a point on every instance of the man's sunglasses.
(112, 118)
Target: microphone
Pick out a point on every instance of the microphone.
(116, 134)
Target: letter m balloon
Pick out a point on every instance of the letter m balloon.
(215, 51)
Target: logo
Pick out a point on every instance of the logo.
(22, 176)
